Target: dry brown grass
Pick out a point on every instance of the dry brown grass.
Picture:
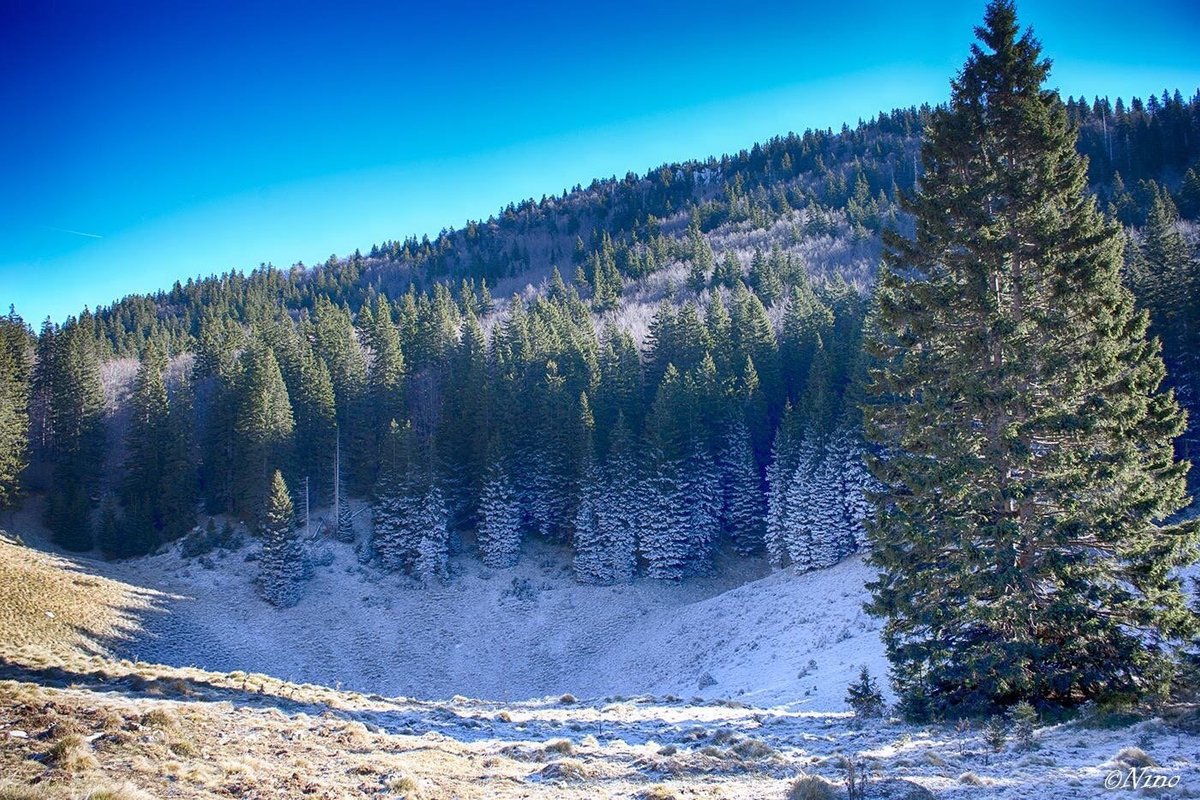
(49, 604)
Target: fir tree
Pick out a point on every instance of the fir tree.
(281, 560)
(863, 696)
(742, 499)
(1028, 460)
(846, 454)
(76, 422)
(785, 457)
(263, 428)
(499, 530)
(619, 507)
(147, 443)
(464, 425)
(15, 375)
(433, 540)
(701, 259)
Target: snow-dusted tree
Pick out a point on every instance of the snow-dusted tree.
(847, 452)
(664, 540)
(591, 556)
(784, 458)
(620, 511)
(686, 489)
(699, 496)
(824, 535)
(343, 527)
(399, 497)
(432, 536)
(499, 531)
(811, 531)
(742, 501)
(281, 560)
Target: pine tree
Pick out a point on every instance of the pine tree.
(411, 532)
(728, 271)
(847, 454)
(785, 457)
(335, 343)
(464, 426)
(686, 522)
(281, 560)
(820, 534)
(76, 422)
(701, 259)
(433, 543)
(395, 507)
(263, 429)
(1167, 282)
(590, 551)
(385, 395)
(16, 369)
(499, 530)
(1028, 461)
(863, 696)
(315, 413)
(148, 442)
(619, 507)
(344, 529)
(742, 498)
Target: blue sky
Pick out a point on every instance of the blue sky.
(144, 143)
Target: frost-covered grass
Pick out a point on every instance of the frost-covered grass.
(775, 653)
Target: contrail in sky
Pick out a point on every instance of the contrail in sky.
(77, 233)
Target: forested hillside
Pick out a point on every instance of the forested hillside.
(650, 369)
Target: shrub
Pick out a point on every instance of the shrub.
(71, 754)
(753, 749)
(566, 770)
(996, 733)
(864, 697)
(560, 746)
(403, 785)
(1134, 757)
(24, 793)
(971, 779)
(1022, 717)
(810, 787)
(657, 792)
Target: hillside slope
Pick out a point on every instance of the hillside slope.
(75, 722)
(524, 632)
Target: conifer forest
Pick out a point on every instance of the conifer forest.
(958, 344)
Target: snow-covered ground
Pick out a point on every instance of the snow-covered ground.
(520, 633)
(734, 682)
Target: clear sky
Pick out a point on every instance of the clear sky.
(142, 143)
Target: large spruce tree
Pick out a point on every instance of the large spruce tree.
(1028, 461)
(281, 561)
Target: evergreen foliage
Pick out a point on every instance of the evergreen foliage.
(499, 531)
(75, 436)
(863, 696)
(158, 487)
(1028, 464)
(16, 374)
(281, 560)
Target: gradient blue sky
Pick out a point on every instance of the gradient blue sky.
(148, 142)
